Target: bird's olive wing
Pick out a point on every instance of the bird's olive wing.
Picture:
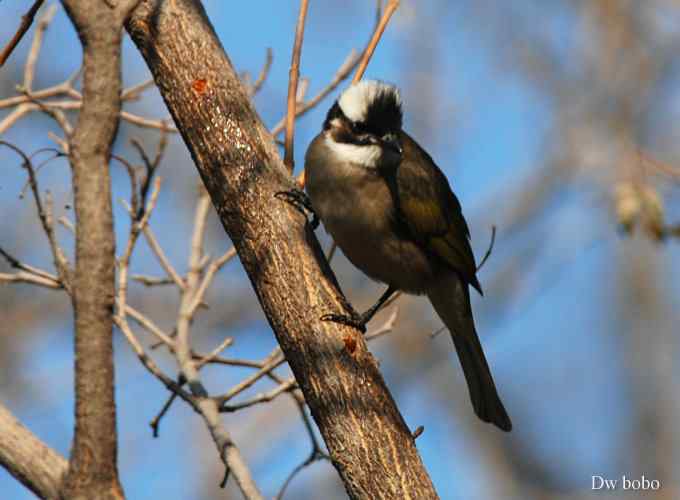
(431, 211)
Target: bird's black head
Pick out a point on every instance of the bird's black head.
(368, 113)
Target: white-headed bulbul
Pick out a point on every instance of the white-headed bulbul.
(391, 211)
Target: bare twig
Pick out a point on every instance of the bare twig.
(184, 318)
(64, 221)
(135, 228)
(151, 280)
(133, 93)
(274, 359)
(156, 422)
(262, 77)
(60, 261)
(162, 258)
(341, 74)
(660, 166)
(210, 273)
(265, 397)
(134, 195)
(26, 21)
(293, 75)
(35, 101)
(385, 328)
(198, 397)
(437, 332)
(316, 453)
(489, 249)
(392, 6)
(151, 327)
(24, 277)
(331, 251)
(151, 166)
(29, 69)
(16, 264)
(53, 111)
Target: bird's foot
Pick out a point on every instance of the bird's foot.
(354, 320)
(301, 202)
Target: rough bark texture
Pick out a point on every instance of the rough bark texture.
(370, 444)
(28, 459)
(92, 470)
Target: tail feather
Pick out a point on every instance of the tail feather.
(451, 300)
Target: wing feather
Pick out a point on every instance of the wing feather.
(430, 210)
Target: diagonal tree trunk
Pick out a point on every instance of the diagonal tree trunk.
(370, 445)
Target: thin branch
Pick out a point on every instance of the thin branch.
(134, 195)
(151, 280)
(265, 397)
(385, 328)
(26, 21)
(24, 277)
(156, 422)
(437, 332)
(32, 59)
(210, 273)
(184, 318)
(16, 264)
(660, 166)
(274, 359)
(293, 75)
(392, 6)
(214, 353)
(53, 111)
(146, 323)
(489, 249)
(60, 261)
(124, 262)
(151, 166)
(162, 258)
(262, 77)
(133, 93)
(341, 74)
(64, 221)
(316, 453)
(162, 125)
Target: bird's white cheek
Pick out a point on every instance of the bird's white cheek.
(368, 156)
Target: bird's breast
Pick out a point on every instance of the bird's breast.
(355, 206)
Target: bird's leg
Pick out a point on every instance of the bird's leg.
(301, 201)
(359, 321)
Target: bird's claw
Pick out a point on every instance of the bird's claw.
(355, 320)
(301, 202)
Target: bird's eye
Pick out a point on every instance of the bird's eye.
(358, 127)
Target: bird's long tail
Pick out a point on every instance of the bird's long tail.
(451, 299)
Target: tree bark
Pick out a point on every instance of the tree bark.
(92, 472)
(369, 442)
(28, 459)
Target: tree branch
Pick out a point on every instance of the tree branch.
(293, 75)
(370, 445)
(26, 21)
(28, 459)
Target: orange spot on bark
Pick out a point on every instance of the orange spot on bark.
(199, 85)
(350, 343)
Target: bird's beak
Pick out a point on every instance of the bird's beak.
(391, 142)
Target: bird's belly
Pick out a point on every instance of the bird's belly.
(361, 224)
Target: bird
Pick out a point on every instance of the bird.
(391, 211)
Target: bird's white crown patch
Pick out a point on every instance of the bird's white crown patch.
(356, 100)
